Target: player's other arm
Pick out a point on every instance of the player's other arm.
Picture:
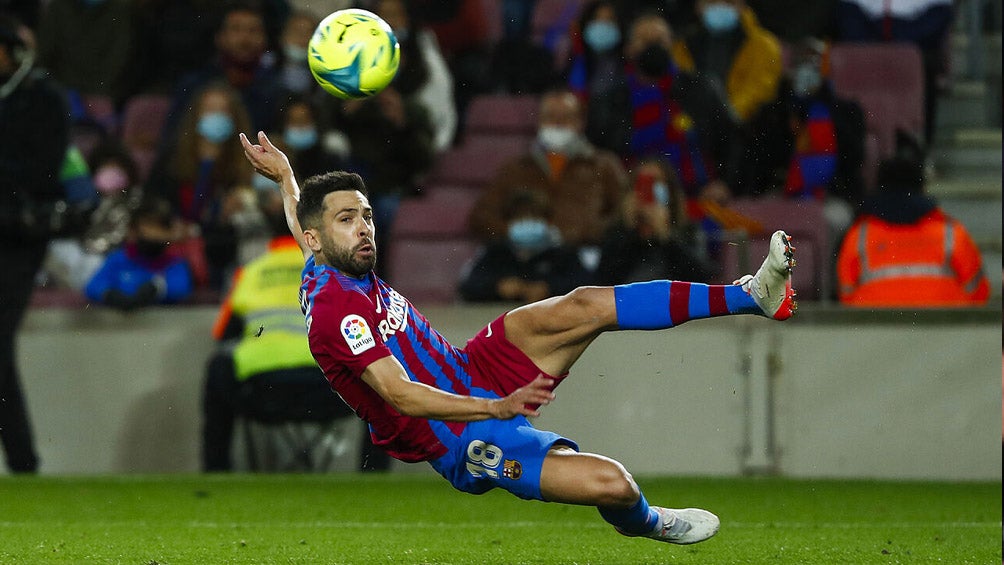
(272, 163)
(387, 377)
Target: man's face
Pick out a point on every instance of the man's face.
(561, 110)
(242, 36)
(648, 30)
(346, 237)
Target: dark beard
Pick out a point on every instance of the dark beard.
(345, 261)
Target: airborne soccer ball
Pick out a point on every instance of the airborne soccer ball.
(353, 54)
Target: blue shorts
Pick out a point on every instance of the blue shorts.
(499, 453)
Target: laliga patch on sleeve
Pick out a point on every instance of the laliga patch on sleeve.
(357, 334)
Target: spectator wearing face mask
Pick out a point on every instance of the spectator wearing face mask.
(293, 69)
(810, 142)
(597, 62)
(311, 144)
(71, 262)
(732, 50)
(583, 184)
(207, 178)
(530, 264)
(660, 110)
(142, 272)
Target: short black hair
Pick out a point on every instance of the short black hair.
(904, 170)
(313, 190)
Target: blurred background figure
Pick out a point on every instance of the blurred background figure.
(530, 264)
(659, 110)
(205, 175)
(263, 367)
(732, 50)
(143, 271)
(293, 68)
(461, 30)
(423, 74)
(654, 238)
(91, 46)
(392, 143)
(904, 251)
(810, 143)
(32, 150)
(72, 261)
(311, 142)
(176, 39)
(238, 60)
(596, 60)
(583, 184)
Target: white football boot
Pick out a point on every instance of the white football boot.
(682, 527)
(770, 287)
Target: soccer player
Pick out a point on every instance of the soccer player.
(464, 410)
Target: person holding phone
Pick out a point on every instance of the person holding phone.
(654, 237)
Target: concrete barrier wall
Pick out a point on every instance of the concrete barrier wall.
(831, 394)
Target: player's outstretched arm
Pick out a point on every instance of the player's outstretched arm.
(387, 377)
(272, 163)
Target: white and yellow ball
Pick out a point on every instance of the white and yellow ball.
(353, 54)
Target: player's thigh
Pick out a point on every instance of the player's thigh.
(563, 324)
(586, 478)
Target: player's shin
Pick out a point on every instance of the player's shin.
(638, 520)
(664, 304)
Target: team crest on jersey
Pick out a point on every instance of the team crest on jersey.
(511, 469)
(357, 334)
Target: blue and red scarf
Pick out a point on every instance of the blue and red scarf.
(814, 162)
(661, 127)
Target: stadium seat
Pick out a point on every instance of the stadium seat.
(142, 121)
(441, 212)
(887, 80)
(804, 221)
(427, 271)
(474, 162)
(503, 114)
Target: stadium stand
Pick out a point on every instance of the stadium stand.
(804, 221)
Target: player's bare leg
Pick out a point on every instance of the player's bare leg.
(555, 332)
(594, 480)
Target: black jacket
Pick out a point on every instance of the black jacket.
(559, 267)
(36, 132)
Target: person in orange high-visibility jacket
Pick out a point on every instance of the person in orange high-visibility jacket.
(904, 251)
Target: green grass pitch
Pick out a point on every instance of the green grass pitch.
(418, 518)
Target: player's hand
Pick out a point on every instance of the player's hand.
(266, 158)
(536, 393)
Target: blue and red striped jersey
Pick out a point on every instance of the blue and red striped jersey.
(352, 322)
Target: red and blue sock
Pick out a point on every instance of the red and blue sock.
(638, 520)
(664, 304)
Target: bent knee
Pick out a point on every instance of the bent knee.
(592, 302)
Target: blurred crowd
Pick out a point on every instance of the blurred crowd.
(122, 180)
(654, 117)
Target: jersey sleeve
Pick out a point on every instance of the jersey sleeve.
(343, 332)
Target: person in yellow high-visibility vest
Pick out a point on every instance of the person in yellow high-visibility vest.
(264, 360)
